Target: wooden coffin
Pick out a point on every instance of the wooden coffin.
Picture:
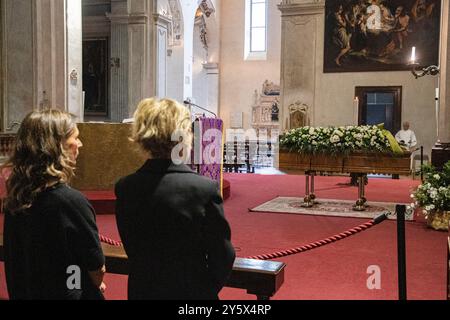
(294, 161)
(327, 163)
(378, 163)
(354, 163)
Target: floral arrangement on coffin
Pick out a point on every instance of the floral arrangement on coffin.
(433, 196)
(340, 140)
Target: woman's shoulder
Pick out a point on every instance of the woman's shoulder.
(63, 194)
(126, 181)
(195, 181)
(190, 180)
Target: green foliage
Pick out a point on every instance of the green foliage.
(434, 193)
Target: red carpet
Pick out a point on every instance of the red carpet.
(336, 271)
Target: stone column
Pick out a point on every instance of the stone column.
(119, 70)
(42, 52)
(212, 89)
(74, 58)
(189, 10)
(161, 44)
(441, 153)
(141, 60)
(18, 63)
(50, 70)
(119, 61)
(134, 55)
(58, 56)
(298, 39)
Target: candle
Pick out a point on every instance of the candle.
(437, 112)
(413, 54)
(356, 110)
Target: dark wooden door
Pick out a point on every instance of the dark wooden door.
(380, 105)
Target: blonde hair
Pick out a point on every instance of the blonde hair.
(156, 122)
(39, 157)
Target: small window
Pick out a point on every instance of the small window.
(380, 105)
(256, 30)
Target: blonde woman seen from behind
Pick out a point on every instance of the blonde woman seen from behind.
(170, 219)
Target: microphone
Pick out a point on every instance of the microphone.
(197, 106)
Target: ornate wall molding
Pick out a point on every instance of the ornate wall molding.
(176, 27)
(298, 115)
(296, 9)
(294, 21)
(129, 18)
(200, 22)
(211, 67)
(162, 20)
(207, 7)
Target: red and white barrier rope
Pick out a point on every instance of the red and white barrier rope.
(288, 252)
(320, 243)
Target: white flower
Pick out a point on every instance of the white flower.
(335, 139)
(311, 130)
(437, 177)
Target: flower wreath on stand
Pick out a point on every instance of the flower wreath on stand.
(433, 196)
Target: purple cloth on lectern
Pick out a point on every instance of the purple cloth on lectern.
(206, 168)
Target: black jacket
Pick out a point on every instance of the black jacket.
(177, 239)
(41, 245)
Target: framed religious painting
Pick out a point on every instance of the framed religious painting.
(378, 35)
(95, 76)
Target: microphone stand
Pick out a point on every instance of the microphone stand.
(197, 106)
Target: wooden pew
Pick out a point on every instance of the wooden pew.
(260, 278)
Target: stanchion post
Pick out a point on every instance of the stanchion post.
(421, 163)
(401, 249)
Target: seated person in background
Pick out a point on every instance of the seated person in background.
(50, 234)
(171, 219)
(406, 137)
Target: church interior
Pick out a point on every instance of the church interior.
(259, 72)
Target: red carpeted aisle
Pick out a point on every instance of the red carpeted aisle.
(336, 271)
